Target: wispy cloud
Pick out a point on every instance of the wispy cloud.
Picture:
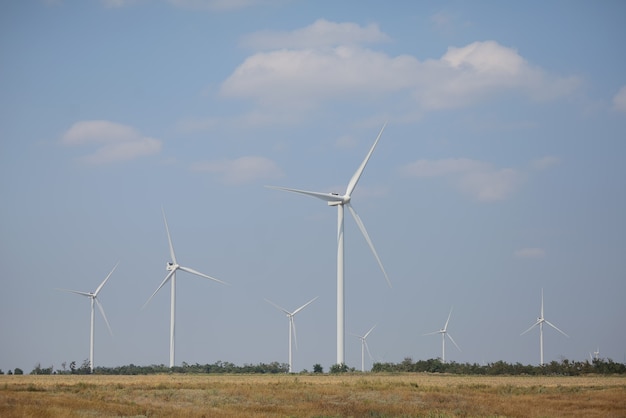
(322, 33)
(478, 179)
(115, 142)
(241, 170)
(619, 101)
(327, 60)
(530, 253)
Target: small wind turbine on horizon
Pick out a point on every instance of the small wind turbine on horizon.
(444, 332)
(172, 267)
(595, 356)
(364, 347)
(292, 326)
(93, 296)
(335, 199)
(540, 321)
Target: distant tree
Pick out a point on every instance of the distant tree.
(73, 367)
(317, 368)
(40, 370)
(1, 372)
(9, 372)
(339, 368)
(18, 371)
(85, 368)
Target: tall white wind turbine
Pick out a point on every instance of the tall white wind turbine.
(335, 199)
(172, 267)
(540, 321)
(444, 331)
(292, 326)
(93, 296)
(364, 347)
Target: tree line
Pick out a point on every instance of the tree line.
(565, 367)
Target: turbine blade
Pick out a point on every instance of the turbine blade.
(368, 332)
(329, 197)
(278, 307)
(361, 226)
(453, 342)
(367, 349)
(542, 302)
(304, 306)
(448, 320)
(105, 280)
(357, 175)
(169, 238)
(432, 333)
(103, 315)
(533, 326)
(76, 292)
(169, 275)
(554, 326)
(197, 273)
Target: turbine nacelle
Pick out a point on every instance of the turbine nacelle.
(171, 266)
(340, 200)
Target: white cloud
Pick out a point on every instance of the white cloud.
(302, 71)
(530, 253)
(478, 179)
(619, 101)
(322, 33)
(241, 170)
(115, 142)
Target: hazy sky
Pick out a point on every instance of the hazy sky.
(501, 172)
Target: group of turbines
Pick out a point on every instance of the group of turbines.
(540, 321)
(332, 199)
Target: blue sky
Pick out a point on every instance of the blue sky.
(500, 172)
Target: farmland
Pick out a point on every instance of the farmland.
(304, 395)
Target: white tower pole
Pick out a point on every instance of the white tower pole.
(91, 334)
(340, 287)
(172, 319)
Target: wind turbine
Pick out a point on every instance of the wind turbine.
(172, 267)
(444, 332)
(94, 301)
(335, 199)
(540, 321)
(595, 356)
(364, 347)
(292, 325)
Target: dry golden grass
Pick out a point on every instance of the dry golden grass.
(352, 395)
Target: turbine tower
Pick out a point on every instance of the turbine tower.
(94, 301)
(540, 321)
(292, 326)
(444, 332)
(364, 347)
(172, 267)
(334, 199)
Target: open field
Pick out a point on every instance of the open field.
(357, 395)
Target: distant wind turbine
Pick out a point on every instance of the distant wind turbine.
(540, 321)
(172, 267)
(335, 199)
(595, 356)
(94, 300)
(292, 325)
(444, 332)
(364, 347)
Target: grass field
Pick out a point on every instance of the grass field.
(349, 395)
